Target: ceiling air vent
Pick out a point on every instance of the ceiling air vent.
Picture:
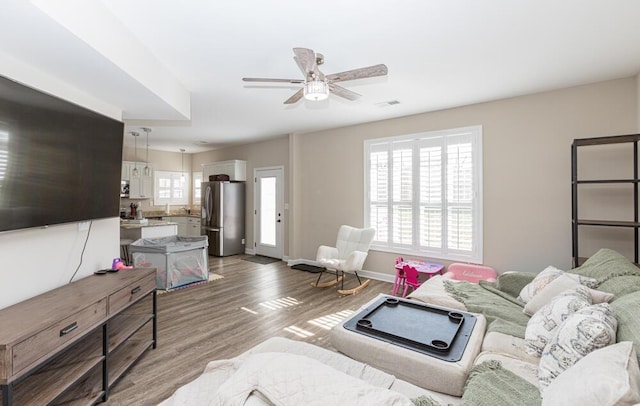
(387, 103)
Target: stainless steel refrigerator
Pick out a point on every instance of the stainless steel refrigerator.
(223, 217)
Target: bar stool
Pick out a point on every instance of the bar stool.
(125, 255)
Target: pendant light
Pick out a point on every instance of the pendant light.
(135, 172)
(182, 165)
(147, 170)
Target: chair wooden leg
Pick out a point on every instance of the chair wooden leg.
(354, 290)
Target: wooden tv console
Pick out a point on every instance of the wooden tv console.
(71, 344)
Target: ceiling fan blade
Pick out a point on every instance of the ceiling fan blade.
(273, 80)
(368, 72)
(296, 96)
(306, 60)
(342, 92)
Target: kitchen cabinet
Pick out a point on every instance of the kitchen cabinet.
(152, 229)
(236, 169)
(188, 226)
(71, 345)
(193, 227)
(141, 186)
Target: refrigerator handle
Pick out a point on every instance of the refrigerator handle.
(207, 203)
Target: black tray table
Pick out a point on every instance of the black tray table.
(435, 331)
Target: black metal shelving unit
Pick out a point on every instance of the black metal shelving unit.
(575, 182)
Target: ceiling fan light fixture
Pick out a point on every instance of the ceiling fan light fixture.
(316, 90)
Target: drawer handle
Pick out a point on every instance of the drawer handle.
(69, 328)
(135, 290)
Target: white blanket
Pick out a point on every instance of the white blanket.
(280, 379)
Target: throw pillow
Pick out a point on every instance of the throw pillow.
(626, 310)
(546, 321)
(539, 282)
(606, 377)
(544, 278)
(558, 285)
(606, 264)
(582, 332)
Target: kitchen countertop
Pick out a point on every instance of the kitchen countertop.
(150, 223)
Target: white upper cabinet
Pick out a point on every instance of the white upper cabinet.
(141, 186)
(236, 169)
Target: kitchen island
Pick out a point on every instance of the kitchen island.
(130, 230)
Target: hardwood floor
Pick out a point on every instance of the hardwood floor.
(223, 318)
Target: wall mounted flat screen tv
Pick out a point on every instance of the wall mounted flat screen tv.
(59, 162)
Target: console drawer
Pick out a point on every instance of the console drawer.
(51, 339)
(131, 293)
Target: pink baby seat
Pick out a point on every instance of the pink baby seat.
(470, 273)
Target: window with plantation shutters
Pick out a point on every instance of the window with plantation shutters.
(424, 193)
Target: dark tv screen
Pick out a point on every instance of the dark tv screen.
(59, 162)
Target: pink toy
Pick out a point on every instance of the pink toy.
(470, 273)
(117, 265)
(411, 279)
(421, 267)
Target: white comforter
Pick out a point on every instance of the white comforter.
(284, 379)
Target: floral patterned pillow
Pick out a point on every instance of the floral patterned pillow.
(548, 275)
(546, 321)
(583, 332)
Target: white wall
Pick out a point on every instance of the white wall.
(527, 171)
(38, 260)
(274, 152)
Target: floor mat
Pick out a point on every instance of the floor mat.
(259, 259)
(308, 268)
(212, 277)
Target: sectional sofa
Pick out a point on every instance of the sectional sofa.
(552, 338)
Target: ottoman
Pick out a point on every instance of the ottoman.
(417, 368)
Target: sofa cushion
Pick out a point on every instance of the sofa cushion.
(557, 286)
(606, 377)
(492, 385)
(582, 332)
(432, 291)
(548, 319)
(512, 282)
(500, 343)
(621, 285)
(627, 311)
(606, 264)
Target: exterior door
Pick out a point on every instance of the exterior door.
(269, 203)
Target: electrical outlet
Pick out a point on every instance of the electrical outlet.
(83, 226)
(243, 241)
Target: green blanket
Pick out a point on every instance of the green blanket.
(491, 385)
(502, 310)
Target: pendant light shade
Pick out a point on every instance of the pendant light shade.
(135, 172)
(147, 170)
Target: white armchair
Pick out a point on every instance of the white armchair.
(349, 254)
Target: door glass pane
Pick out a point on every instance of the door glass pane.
(268, 210)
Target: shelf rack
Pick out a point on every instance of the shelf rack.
(575, 182)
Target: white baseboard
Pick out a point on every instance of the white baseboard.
(292, 262)
(384, 277)
(250, 251)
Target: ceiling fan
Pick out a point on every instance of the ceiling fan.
(317, 85)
